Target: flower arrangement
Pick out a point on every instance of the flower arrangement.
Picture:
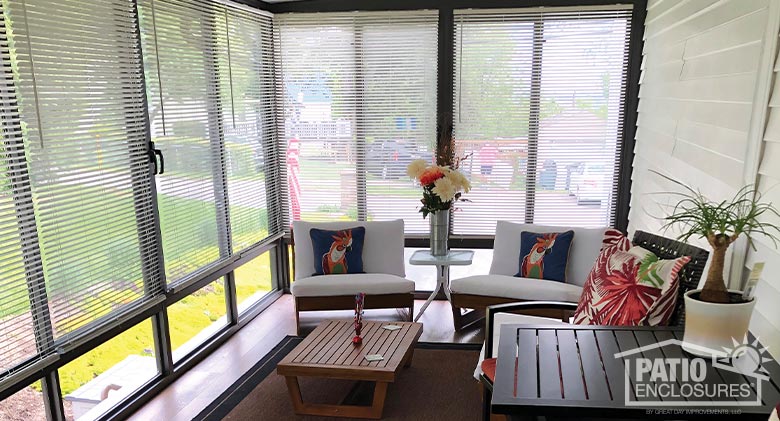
(442, 185)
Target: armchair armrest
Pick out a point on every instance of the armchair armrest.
(491, 311)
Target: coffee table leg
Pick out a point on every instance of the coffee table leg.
(408, 357)
(351, 411)
(295, 393)
(380, 392)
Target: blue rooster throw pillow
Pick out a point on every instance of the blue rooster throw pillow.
(544, 255)
(338, 252)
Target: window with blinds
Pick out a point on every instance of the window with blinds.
(253, 173)
(539, 99)
(357, 97)
(209, 74)
(76, 209)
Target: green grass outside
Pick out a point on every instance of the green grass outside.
(393, 190)
(187, 318)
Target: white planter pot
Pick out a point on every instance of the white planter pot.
(713, 326)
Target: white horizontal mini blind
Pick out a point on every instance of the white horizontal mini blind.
(358, 103)
(83, 124)
(17, 223)
(182, 52)
(539, 96)
(253, 173)
(210, 81)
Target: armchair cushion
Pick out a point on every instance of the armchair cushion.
(584, 249)
(545, 255)
(351, 284)
(383, 248)
(338, 251)
(520, 288)
(489, 368)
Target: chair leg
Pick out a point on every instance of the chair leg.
(487, 397)
(297, 319)
(411, 312)
(457, 318)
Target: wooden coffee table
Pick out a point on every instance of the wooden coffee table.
(328, 352)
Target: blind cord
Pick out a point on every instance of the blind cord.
(157, 63)
(32, 72)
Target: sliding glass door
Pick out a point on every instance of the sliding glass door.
(139, 175)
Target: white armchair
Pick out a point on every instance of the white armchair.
(500, 286)
(383, 282)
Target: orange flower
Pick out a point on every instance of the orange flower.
(430, 175)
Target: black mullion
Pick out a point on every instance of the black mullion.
(230, 298)
(445, 63)
(270, 145)
(145, 192)
(216, 139)
(162, 342)
(21, 189)
(279, 122)
(277, 265)
(282, 272)
(280, 275)
(360, 113)
(630, 111)
(533, 122)
(160, 327)
(445, 72)
(219, 156)
(52, 397)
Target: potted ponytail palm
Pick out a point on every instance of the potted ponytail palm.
(715, 316)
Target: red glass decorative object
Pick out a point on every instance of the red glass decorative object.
(359, 300)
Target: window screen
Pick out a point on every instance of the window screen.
(358, 98)
(539, 98)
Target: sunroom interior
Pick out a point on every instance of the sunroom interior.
(156, 154)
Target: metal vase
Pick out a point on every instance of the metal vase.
(440, 229)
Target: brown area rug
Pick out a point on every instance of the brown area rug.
(438, 385)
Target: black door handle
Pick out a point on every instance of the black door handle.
(155, 153)
(159, 154)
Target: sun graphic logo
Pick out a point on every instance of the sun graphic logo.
(660, 375)
(746, 358)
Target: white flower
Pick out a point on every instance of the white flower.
(444, 188)
(416, 168)
(460, 181)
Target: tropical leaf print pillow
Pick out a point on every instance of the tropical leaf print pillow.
(338, 252)
(629, 288)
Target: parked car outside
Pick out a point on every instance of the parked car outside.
(592, 184)
(389, 158)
